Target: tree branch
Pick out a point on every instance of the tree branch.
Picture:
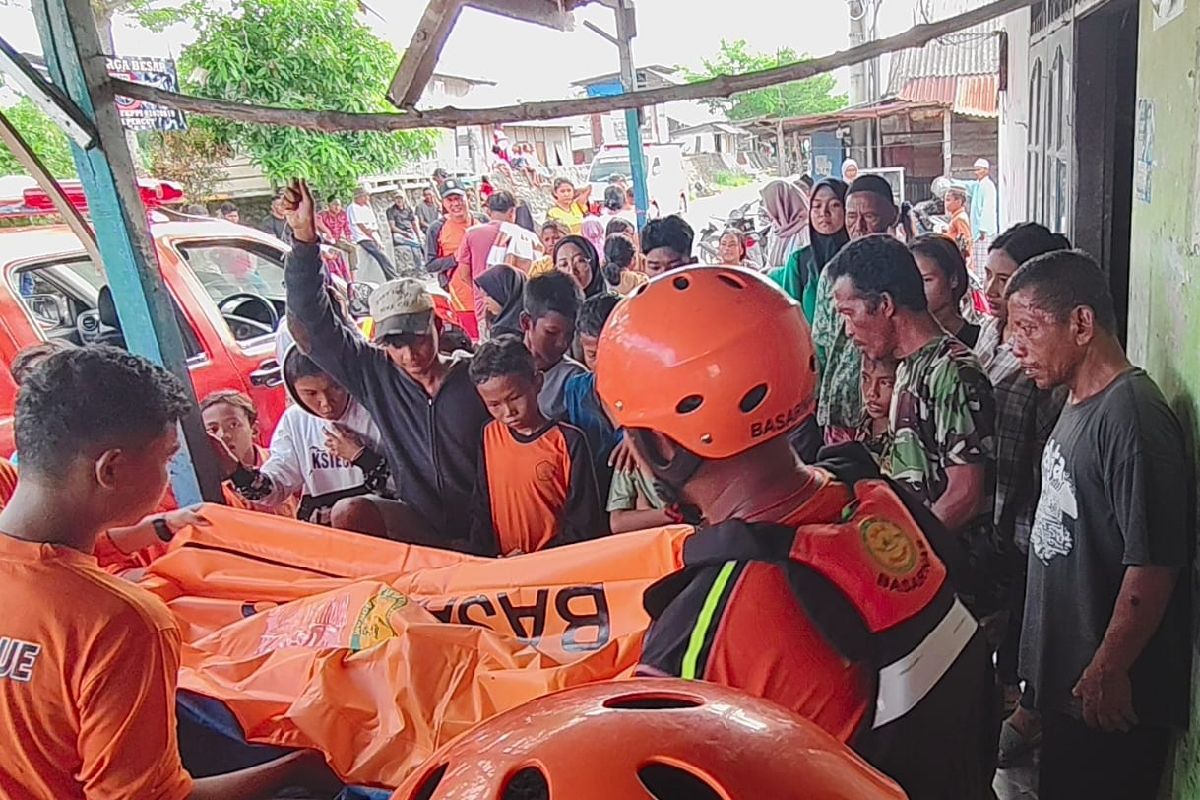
(451, 117)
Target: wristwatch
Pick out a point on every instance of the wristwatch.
(162, 529)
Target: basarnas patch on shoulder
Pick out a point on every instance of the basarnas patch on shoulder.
(902, 556)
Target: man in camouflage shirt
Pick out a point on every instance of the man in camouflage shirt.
(942, 413)
(870, 209)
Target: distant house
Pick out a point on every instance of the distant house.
(721, 138)
(941, 113)
(609, 128)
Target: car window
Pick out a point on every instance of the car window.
(603, 170)
(227, 268)
(62, 297)
(244, 280)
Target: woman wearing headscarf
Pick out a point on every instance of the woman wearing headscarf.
(592, 229)
(577, 257)
(827, 235)
(503, 290)
(787, 211)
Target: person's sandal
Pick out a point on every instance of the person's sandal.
(1016, 749)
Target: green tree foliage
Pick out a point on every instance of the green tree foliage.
(312, 54)
(193, 158)
(45, 138)
(812, 96)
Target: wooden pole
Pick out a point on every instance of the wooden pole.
(76, 62)
(451, 117)
(70, 214)
(423, 52)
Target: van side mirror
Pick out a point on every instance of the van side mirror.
(358, 294)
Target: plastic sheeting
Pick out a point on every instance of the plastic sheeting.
(377, 653)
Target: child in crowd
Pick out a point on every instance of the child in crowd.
(634, 503)
(231, 417)
(619, 258)
(583, 404)
(667, 244)
(878, 380)
(503, 289)
(551, 232)
(551, 304)
(91, 661)
(325, 448)
(536, 486)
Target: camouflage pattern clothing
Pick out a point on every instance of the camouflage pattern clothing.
(942, 416)
(839, 400)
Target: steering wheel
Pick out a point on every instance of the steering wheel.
(228, 305)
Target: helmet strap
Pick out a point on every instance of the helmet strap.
(671, 473)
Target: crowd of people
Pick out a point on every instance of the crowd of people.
(965, 536)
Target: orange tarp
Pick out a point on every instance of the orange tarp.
(376, 653)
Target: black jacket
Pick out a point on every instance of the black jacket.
(432, 444)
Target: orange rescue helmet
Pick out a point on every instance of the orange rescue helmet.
(643, 739)
(716, 358)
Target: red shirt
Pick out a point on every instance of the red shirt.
(337, 223)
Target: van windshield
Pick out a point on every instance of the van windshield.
(603, 170)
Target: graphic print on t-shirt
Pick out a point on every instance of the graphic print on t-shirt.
(1054, 524)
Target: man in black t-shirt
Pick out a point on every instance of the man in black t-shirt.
(1105, 640)
(405, 228)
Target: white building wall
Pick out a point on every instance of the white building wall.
(1014, 122)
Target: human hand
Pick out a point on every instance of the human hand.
(343, 442)
(298, 210)
(622, 458)
(226, 460)
(180, 518)
(1107, 696)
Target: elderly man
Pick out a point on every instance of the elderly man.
(364, 229)
(1105, 643)
(985, 207)
(942, 411)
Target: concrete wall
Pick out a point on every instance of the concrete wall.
(1164, 318)
(1014, 122)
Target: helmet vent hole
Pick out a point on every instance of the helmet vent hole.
(689, 404)
(526, 784)
(430, 782)
(667, 782)
(653, 702)
(731, 280)
(753, 398)
(681, 282)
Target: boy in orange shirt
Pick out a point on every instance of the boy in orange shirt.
(88, 668)
(536, 486)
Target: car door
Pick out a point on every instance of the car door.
(237, 286)
(58, 296)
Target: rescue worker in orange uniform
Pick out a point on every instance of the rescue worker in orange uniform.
(816, 587)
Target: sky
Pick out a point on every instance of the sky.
(529, 62)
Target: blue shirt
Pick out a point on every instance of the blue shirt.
(985, 206)
(585, 412)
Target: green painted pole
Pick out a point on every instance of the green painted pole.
(76, 62)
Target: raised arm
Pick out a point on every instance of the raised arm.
(330, 344)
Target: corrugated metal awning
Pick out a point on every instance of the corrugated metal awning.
(972, 95)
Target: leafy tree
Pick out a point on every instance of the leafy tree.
(155, 15)
(193, 158)
(812, 96)
(300, 54)
(43, 135)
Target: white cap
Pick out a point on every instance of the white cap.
(982, 163)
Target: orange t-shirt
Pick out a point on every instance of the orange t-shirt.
(88, 670)
(533, 492)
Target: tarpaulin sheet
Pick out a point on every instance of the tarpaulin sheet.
(375, 652)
